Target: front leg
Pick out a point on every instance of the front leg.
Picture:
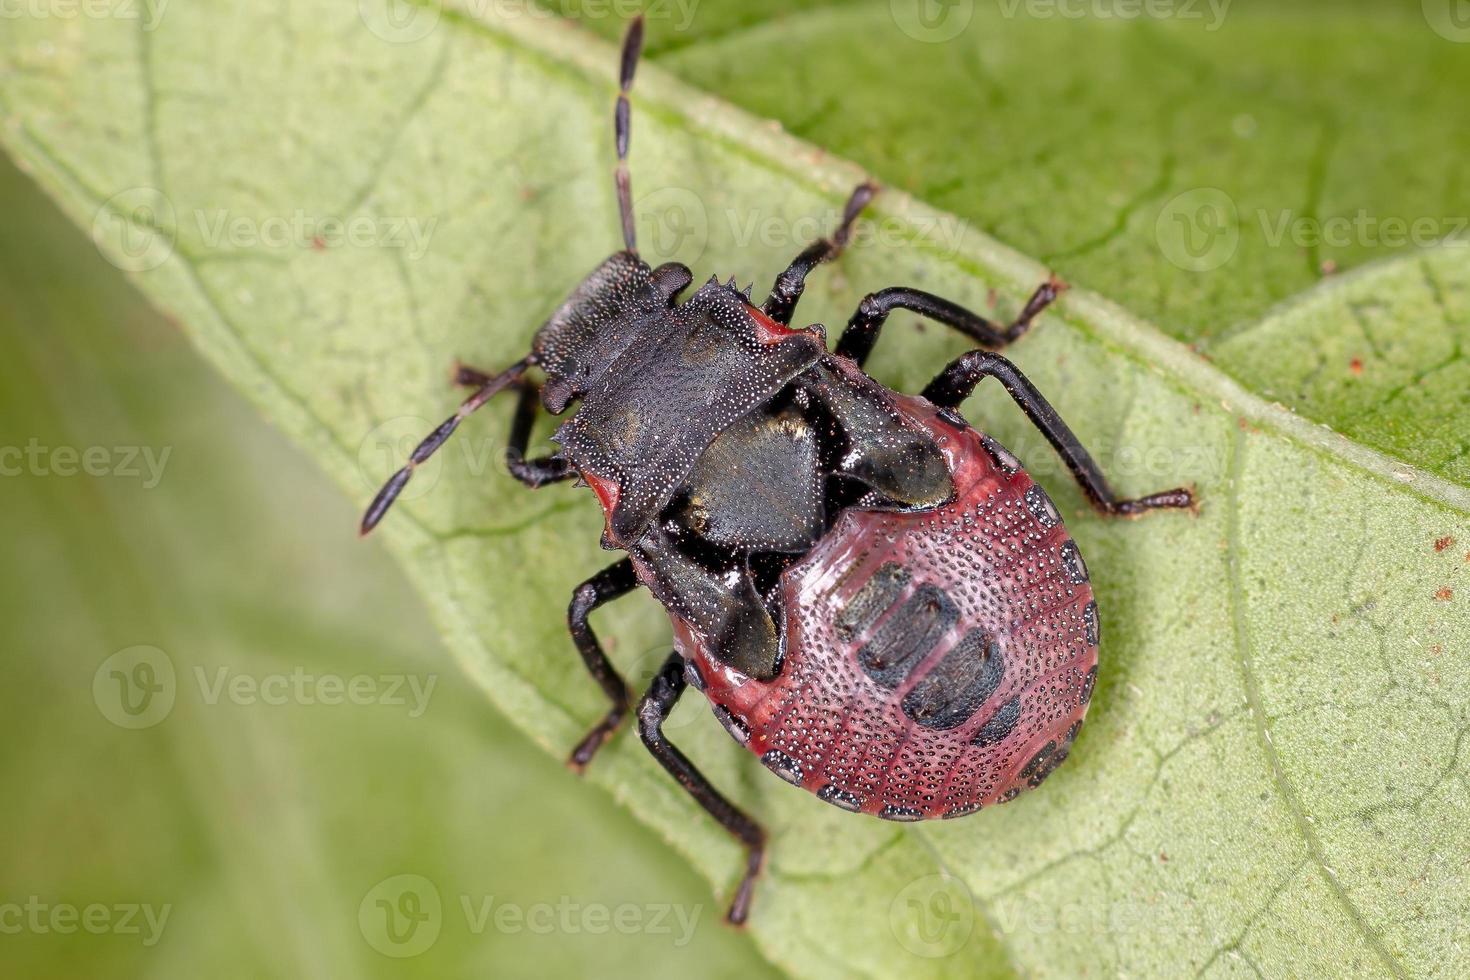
(653, 710)
(781, 304)
(532, 472)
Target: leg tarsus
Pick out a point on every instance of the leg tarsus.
(790, 284)
(610, 583)
(959, 379)
(662, 695)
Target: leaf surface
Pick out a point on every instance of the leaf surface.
(1271, 775)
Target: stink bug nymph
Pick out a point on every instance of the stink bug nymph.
(877, 600)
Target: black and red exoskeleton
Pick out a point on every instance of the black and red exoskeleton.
(876, 599)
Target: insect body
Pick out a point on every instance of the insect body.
(876, 599)
(936, 660)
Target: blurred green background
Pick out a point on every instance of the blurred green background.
(260, 828)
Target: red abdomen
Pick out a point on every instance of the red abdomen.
(935, 662)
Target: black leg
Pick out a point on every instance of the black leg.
(958, 380)
(613, 581)
(662, 695)
(862, 330)
(488, 388)
(532, 472)
(786, 293)
(543, 469)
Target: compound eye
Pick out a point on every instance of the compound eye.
(671, 279)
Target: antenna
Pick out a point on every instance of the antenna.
(623, 130)
(489, 387)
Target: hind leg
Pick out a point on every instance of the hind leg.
(653, 710)
(958, 380)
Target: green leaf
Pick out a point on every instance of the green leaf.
(1271, 774)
